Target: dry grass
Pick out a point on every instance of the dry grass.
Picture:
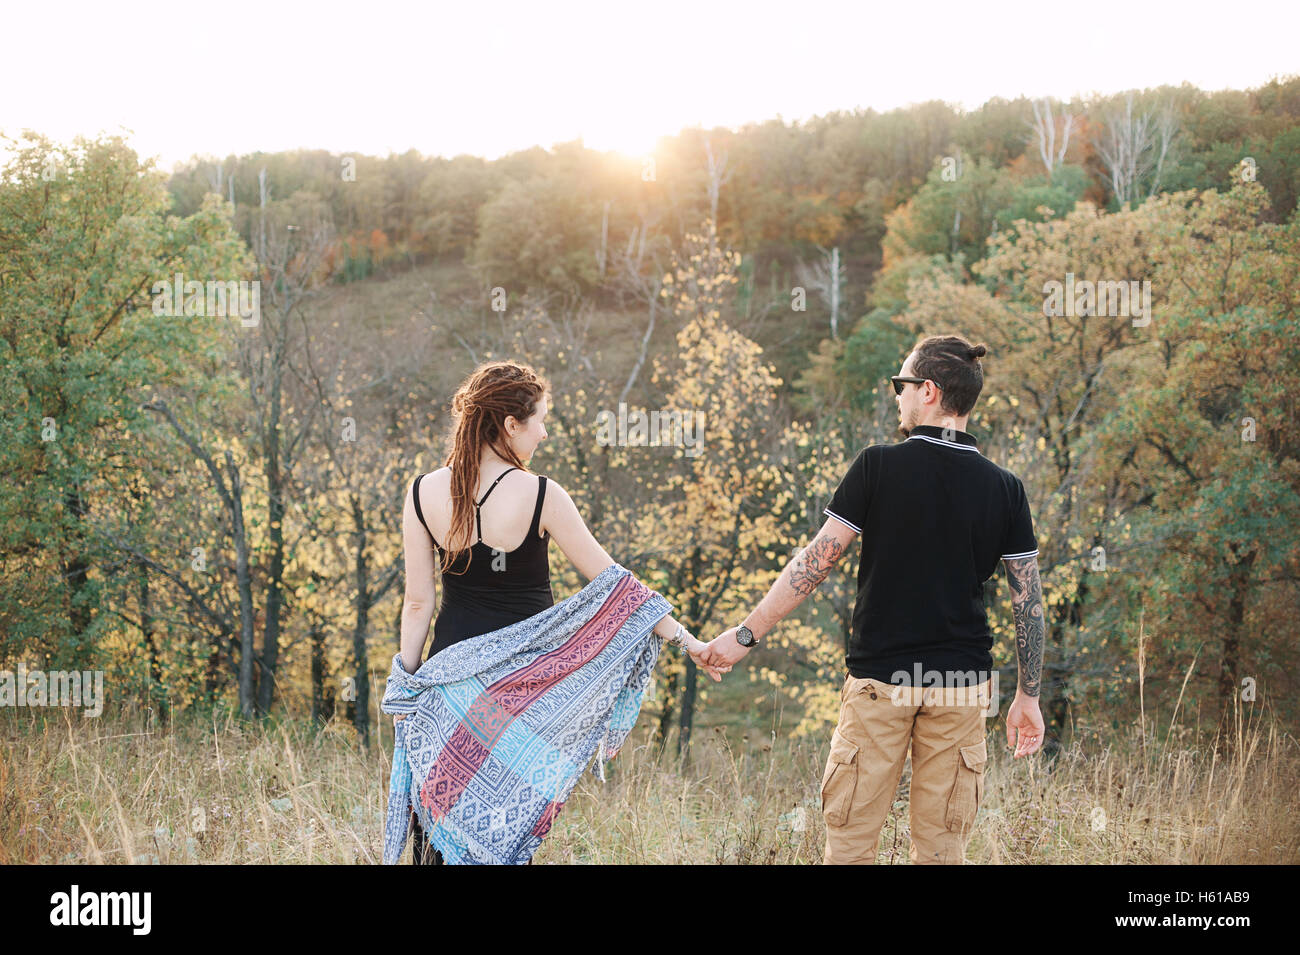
(1223, 798)
(122, 789)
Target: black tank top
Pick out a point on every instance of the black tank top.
(482, 599)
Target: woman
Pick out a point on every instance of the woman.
(493, 555)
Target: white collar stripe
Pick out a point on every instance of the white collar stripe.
(946, 444)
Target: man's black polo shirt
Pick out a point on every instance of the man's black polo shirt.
(936, 517)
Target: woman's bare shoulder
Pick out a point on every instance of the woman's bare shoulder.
(435, 485)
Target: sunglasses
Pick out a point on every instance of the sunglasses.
(900, 380)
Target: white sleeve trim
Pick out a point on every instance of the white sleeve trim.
(849, 523)
(1031, 553)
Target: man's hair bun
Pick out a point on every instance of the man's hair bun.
(978, 351)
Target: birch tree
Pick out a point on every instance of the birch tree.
(1134, 146)
(1044, 125)
(719, 176)
(826, 277)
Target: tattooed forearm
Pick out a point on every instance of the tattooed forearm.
(814, 562)
(1027, 608)
(801, 576)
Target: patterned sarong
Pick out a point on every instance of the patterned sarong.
(500, 726)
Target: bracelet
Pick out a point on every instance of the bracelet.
(678, 638)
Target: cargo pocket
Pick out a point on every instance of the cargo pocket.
(968, 787)
(840, 780)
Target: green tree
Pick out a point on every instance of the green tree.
(84, 236)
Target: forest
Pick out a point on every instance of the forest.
(203, 498)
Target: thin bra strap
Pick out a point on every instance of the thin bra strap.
(537, 511)
(419, 511)
(477, 518)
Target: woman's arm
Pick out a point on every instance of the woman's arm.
(418, 604)
(560, 516)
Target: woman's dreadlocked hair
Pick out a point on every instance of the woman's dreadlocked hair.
(492, 392)
(954, 365)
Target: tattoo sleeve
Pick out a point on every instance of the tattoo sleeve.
(1027, 608)
(814, 562)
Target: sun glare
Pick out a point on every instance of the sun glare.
(627, 139)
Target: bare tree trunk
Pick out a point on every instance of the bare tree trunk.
(837, 280)
(230, 489)
(645, 345)
(1135, 146)
(1230, 661)
(1044, 125)
(687, 722)
(719, 176)
(646, 288)
(666, 716)
(322, 705)
(291, 255)
(699, 610)
(1166, 126)
(602, 255)
(76, 569)
(264, 196)
(361, 626)
(244, 586)
(157, 693)
(826, 277)
(275, 487)
(212, 671)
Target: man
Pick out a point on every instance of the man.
(935, 517)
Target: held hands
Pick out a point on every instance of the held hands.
(698, 650)
(724, 651)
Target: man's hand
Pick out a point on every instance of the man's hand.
(1024, 725)
(697, 649)
(723, 650)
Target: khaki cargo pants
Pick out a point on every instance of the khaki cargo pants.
(878, 721)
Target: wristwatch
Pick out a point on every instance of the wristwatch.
(745, 637)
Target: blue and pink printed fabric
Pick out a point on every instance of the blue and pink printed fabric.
(499, 727)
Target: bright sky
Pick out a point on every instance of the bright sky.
(492, 77)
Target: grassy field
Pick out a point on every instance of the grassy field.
(121, 788)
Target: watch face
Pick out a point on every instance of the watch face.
(744, 636)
